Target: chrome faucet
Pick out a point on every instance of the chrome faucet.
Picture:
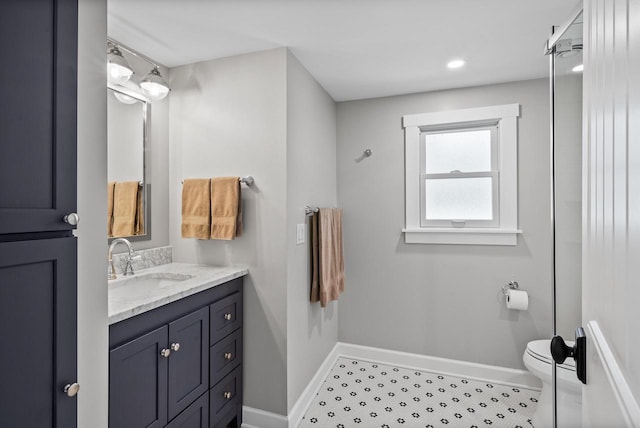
(128, 269)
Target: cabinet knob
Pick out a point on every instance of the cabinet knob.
(165, 353)
(175, 347)
(72, 219)
(227, 395)
(228, 355)
(227, 317)
(71, 389)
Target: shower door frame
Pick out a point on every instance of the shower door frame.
(556, 34)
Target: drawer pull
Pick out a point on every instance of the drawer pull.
(228, 355)
(227, 395)
(227, 317)
(165, 353)
(175, 347)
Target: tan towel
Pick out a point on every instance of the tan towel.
(140, 211)
(125, 204)
(110, 187)
(225, 208)
(327, 256)
(196, 208)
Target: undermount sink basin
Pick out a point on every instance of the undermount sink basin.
(156, 279)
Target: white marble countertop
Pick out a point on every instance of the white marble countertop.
(153, 287)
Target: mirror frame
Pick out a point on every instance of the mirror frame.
(146, 188)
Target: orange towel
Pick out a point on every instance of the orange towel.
(225, 208)
(110, 187)
(327, 256)
(140, 211)
(125, 204)
(196, 208)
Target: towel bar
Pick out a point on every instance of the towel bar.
(248, 180)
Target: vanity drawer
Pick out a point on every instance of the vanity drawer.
(224, 356)
(225, 396)
(194, 416)
(225, 316)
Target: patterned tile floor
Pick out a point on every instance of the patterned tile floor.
(367, 395)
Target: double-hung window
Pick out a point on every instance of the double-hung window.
(461, 176)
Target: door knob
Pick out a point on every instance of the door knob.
(71, 389)
(228, 355)
(560, 351)
(227, 317)
(175, 347)
(72, 219)
(165, 353)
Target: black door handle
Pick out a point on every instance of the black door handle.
(560, 351)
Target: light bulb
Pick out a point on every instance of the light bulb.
(124, 98)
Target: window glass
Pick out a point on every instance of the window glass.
(466, 151)
(459, 199)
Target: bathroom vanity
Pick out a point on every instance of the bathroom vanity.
(175, 347)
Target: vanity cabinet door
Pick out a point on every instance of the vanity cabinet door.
(189, 360)
(138, 382)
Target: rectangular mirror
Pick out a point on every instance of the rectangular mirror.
(127, 188)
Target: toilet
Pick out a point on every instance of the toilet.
(537, 359)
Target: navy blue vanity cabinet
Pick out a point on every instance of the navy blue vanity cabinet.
(160, 363)
(38, 259)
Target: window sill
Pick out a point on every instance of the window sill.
(461, 236)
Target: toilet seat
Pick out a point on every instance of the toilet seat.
(540, 350)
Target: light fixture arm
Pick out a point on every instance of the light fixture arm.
(111, 43)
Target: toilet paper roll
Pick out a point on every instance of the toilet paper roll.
(517, 300)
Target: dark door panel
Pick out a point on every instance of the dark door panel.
(189, 363)
(40, 358)
(38, 115)
(138, 382)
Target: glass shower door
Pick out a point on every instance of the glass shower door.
(566, 110)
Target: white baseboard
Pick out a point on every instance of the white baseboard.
(475, 371)
(256, 418)
(304, 401)
(483, 372)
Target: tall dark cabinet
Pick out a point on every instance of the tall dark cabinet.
(38, 75)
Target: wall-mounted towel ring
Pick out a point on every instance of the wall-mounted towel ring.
(309, 211)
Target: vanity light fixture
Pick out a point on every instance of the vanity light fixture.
(118, 69)
(154, 86)
(456, 63)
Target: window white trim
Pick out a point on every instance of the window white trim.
(507, 231)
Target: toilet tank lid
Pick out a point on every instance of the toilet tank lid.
(542, 349)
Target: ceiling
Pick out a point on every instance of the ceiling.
(354, 48)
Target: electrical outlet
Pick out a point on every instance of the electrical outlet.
(301, 230)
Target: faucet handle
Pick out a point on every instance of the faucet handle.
(134, 256)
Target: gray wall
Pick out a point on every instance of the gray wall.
(228, 117)
(93, 330)
(440, 300)
(311, 180)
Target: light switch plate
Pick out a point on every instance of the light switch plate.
(301, 230)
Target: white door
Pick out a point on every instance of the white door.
(611, 213)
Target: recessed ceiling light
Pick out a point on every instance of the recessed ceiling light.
(457, 63)
(578, 68)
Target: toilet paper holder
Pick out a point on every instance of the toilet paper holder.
(513, 285)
